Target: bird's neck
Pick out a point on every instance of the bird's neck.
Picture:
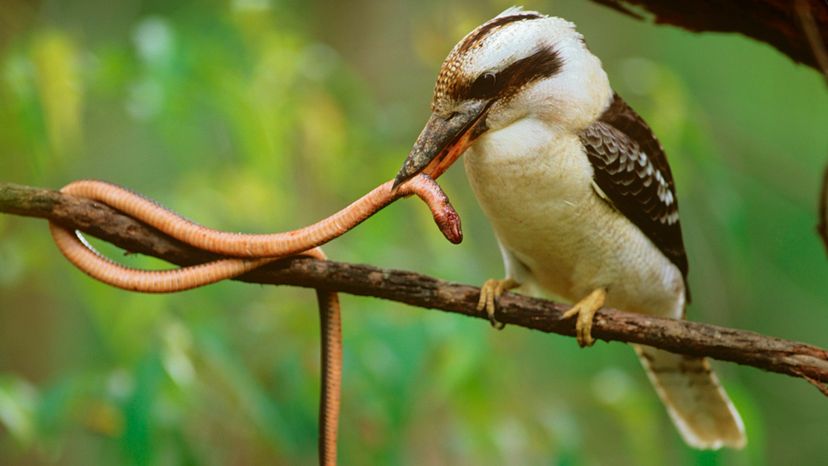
(529, 143)
(526, 162)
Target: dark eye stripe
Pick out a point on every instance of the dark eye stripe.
(541, 64)
(484, 86)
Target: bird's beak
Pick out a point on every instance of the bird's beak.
(442, 141)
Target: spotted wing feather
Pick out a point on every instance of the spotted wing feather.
(632, 173)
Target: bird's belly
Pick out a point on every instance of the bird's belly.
(546, 214)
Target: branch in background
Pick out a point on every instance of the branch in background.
(775, 22)
(793, 27)
(817, 44)
(815, 39)
(772, 354)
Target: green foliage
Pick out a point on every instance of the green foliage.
(259, 115)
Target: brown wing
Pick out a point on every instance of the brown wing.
(632, 171)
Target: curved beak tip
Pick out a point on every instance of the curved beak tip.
(398, 180)
(441, 142)
(407, 171)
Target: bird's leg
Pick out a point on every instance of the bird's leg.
(489, 292)
(585, 309)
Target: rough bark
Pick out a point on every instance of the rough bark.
(742, 347)
(775, 22)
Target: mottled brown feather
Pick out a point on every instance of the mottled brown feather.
(452, 85)
(632, 171)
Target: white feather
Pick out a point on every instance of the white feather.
(557, 232)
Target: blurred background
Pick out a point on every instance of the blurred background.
(261, 115)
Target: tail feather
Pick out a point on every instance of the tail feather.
(695, 401)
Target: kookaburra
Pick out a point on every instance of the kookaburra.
(578, 190)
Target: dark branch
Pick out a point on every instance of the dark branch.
(775, 22)
(742, 347)
(815, 39)
(793, 27)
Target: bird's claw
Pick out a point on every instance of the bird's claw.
(489, 292)
(585, 309)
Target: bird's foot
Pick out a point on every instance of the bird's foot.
(585, 309)
(489, 292)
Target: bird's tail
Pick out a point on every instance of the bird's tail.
(697, 404)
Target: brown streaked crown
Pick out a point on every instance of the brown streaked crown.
(475, 37)
(453, 86)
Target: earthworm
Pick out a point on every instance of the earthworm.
(246, 252)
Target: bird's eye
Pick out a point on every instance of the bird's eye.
(484, 86)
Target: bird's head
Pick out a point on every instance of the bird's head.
(520, 64)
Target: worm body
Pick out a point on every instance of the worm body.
(246, 252)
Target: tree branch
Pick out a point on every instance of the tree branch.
(775, 22)
(815, 40)
(742, 347)
(793, 27)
